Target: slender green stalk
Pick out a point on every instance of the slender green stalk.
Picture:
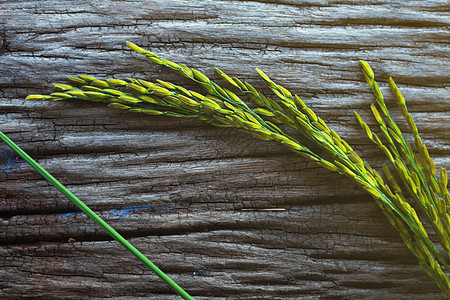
(175, 287)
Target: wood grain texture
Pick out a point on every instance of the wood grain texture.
(177, 188)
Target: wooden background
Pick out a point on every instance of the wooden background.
(179, 189)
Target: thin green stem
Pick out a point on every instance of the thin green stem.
(175, 287)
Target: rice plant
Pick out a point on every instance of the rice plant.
(267, 119)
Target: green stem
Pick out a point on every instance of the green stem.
(176, 288)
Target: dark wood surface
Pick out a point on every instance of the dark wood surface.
(181, 190)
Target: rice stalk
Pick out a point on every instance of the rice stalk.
(222, 107)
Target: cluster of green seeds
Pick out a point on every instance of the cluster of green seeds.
(222, 107)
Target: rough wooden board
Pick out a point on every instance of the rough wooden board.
(187, 181)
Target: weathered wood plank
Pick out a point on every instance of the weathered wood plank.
(177, 188)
